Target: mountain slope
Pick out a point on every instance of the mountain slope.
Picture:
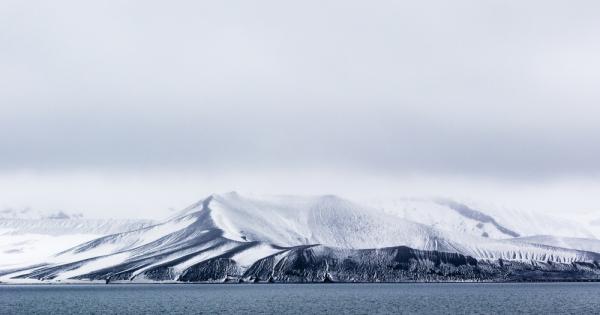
(584, 244)
(528, 222)
(480, 219)
(31, 238)
(230, 234)
(441, 215)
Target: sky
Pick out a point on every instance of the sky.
(132, 108)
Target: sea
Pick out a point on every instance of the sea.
(332, 298)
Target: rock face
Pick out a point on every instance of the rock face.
(320, 264)
(210, 270)
(395, 264)
(319, 239)
(402, 264)
(324, 264)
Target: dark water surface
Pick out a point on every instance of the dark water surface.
(444, 298)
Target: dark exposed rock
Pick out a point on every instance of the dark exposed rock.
(396, 264)
(328, 278)
(316, 263)
(210, 270)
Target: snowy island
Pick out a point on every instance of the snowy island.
(232, 238)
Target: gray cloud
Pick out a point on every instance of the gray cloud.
(500, 88)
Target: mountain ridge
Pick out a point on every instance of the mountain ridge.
(229, 234)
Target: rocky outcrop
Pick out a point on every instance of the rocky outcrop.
(399, 264)
(325, 264)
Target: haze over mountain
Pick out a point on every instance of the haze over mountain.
(117, 109)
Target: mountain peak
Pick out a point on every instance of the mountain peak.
(230, 233)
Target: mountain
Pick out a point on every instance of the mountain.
(529, 222)
(481, 219)
(57, 227)
(28, 213)
(447, 215)
(289, 238)
(27, 235)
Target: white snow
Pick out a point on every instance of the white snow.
(327, 220)
(124, 241)
(335, 222)
(23, 249)
(248, 229)
(247, 257)
(26, 238)
(94, 264)
(585, 244)
(522, 221)
(529, 222)
(439, 216)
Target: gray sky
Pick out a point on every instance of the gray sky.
(214, 94)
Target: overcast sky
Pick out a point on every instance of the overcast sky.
(114, 107)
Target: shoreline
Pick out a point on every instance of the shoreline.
(292, 283)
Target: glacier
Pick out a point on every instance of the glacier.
(230, 237)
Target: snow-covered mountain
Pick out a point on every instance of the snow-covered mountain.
(447, 215)
(28, 213)
(530, 222)
(27, 235)
(585, 244)
(301, 239)
(483, 219)
(57, 227)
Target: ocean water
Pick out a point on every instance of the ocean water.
(441, 298)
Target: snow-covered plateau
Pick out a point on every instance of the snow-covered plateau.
(27, 236)
(229, 237)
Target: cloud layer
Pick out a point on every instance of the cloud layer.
(506, 90)
(464, 87)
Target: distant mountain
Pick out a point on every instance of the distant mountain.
(230, 237)
(27, 235)
(67, 226)
(28, 213)
(482, 219)
(449, 216)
